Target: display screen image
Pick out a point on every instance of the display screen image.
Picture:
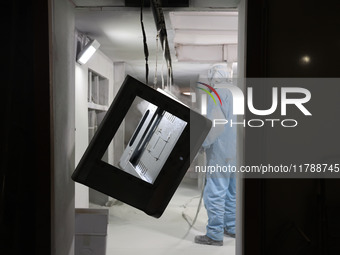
(150, 134)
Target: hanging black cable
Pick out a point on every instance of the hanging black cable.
(156, 6)
(146, 51)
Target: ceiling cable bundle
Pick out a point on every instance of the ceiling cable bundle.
(157, 48)
(162, 67)
(162, 37)
(164, 60)
(146, 51)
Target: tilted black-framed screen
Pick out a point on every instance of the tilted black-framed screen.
(161, 136)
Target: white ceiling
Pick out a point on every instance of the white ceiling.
(119, 32)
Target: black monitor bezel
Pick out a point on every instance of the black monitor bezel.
(108, 179)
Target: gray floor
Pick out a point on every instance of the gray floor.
(131, 231)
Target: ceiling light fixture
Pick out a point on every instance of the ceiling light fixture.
(87, 52)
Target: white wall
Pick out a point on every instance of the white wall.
(63, 124)
(65, 121)
(102, 65)
(119, 76)
(81, 131)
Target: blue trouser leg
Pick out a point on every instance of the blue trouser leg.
(220, 201)
(214, 201)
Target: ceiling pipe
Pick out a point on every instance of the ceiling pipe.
(160, 25)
